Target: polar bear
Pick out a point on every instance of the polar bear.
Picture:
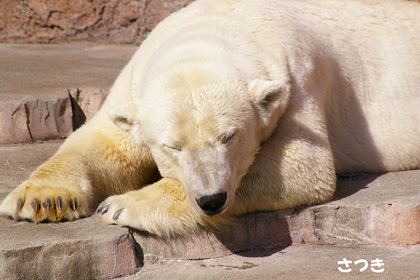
(230, 107)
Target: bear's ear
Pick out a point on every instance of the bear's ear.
(270, 99)
(123, 116)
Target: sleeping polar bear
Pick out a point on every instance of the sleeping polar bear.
(240, 106)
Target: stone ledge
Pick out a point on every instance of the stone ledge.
(86, 249)
(75, 250)
(35, 80)
(318, 225)
(368, 210)
(291, 263)
(23, 121)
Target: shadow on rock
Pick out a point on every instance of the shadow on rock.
(349, 184)
(252, 235)
(257, 234)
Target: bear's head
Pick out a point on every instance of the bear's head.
(204, 127)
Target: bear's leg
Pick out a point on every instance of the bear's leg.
(96, 161)
(294, 168)
(161, 209)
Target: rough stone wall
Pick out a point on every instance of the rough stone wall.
(101, 21)
(60, 21)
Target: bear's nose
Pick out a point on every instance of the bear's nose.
(212, 204)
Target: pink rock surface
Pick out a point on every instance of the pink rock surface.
(13, 123)
(38, 119)
(110, 21)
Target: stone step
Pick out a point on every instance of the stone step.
(30, 120)
(369, 211)
(35, 82)
(294, 263)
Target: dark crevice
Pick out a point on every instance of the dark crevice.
(50, 13)
(28, 121)
(138, 251)
(100, 17)
(79, 117)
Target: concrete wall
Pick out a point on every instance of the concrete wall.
(101, 21)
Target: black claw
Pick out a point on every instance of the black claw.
(117, 214)
(47, 204)
(74, 204)
(59, 203)
(103, 208)
(19, 204)
(35, 205)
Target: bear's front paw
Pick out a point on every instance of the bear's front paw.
(161, 209)
(37, 203)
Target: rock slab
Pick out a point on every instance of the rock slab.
(292, 263)
(77, 250)
(40, 119)
(35, 82)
